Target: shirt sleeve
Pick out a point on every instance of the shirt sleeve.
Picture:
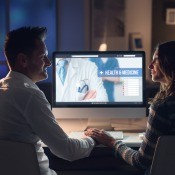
(157, 125)
(40, 118)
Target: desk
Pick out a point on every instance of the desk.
(101, 159)
(132, 139)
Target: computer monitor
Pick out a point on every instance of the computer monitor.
(99, 87)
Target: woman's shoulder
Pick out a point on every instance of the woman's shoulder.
(164, 105)
(170, 102)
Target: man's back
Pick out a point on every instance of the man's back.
(15, 96)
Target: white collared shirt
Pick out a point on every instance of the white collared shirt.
(26, 116)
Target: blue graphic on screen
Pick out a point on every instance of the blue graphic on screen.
(122, 72)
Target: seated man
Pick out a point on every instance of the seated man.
(25, 112)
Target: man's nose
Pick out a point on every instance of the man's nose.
(150, 66)
(48, 62)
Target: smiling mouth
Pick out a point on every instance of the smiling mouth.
(153, 72)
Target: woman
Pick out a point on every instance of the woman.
(161, 120)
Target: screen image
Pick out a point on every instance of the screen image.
(97, 87)
(98, 79)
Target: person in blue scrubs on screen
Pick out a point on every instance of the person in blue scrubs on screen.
(108, 82)
(107, 64)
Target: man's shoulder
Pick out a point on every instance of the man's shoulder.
(21, 87)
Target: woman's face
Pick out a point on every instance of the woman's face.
(156, 73)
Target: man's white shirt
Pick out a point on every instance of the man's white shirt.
(26, 116)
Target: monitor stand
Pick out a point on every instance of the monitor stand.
(73, 124)
(77, 124)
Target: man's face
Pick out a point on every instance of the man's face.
(38, 62)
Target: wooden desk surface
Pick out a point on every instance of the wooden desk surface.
(125, 125)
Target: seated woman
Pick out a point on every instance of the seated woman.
(161, 119)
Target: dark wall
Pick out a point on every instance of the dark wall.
(71, 25)
(161, 32)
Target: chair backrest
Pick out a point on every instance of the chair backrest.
(164, 156)
(18, 158)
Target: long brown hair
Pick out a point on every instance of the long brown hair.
(166, 58)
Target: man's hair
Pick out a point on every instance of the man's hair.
(22, 40)
(166, 58)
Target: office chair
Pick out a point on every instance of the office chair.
(164, 156)
(17, 158)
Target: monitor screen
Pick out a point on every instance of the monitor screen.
(99, 84)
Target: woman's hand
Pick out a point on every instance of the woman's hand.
(101, 136)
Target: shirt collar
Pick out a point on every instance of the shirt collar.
(27, 81)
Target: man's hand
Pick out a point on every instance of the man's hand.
(90, 95)
(100, 136)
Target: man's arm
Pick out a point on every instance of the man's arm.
(43, 123)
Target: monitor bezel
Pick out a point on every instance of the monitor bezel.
(96, 104)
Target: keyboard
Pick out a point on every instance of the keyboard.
(79, 134)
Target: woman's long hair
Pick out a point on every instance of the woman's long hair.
(166, 58)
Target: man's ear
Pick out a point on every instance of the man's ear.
(22, 60)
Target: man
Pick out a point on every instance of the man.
(80, 82)
(25, 113)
